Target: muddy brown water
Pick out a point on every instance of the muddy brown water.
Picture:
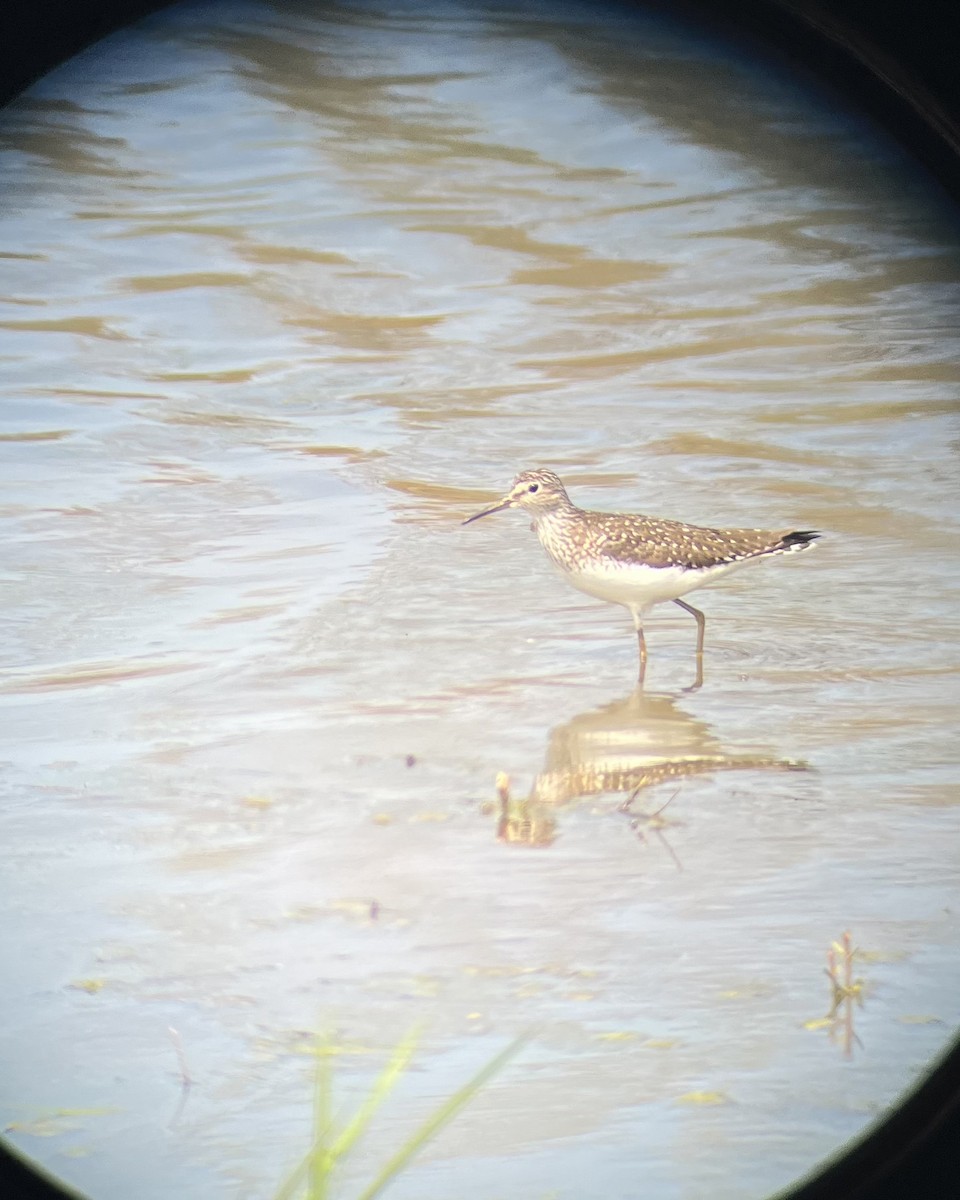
(289, 290)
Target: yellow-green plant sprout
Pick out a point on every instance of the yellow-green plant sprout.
(311, 1177)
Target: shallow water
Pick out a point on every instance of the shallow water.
(288, 291)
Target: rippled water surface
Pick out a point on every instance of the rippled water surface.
(287, 292)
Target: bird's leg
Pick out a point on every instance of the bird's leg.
(638, 625)
(701, 626)
(701, 623)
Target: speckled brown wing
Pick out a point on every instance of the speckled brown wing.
(659, 543)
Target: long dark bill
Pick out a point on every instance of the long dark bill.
(487, 511)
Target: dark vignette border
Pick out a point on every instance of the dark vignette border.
(898, 61)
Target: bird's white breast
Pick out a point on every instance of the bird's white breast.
(635, 583)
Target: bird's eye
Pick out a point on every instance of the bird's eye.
(534, 487)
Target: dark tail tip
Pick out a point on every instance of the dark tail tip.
(800, 537)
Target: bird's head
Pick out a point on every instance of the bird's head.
(538, 492)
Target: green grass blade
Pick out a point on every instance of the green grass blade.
(314, 1168)
(381, 1089)
(290, 1186)
(318, 1167)
(318, 1163)
(446, 1112)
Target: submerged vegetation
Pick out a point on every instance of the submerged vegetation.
(845, 991)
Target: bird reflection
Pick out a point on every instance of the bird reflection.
(523, 822)
(625, 746)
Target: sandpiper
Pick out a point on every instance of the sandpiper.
(634, 560)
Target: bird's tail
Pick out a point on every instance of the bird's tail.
(799, 539)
